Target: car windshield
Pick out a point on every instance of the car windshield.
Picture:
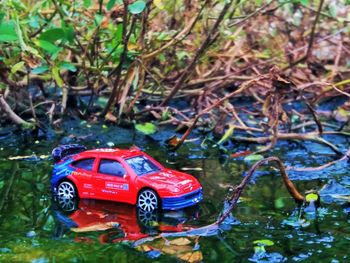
(142, 165)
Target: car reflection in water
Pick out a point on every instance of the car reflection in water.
(111, 222)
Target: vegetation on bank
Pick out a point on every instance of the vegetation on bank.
(180, 62)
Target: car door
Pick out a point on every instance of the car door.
(83, 176)
(112, 181)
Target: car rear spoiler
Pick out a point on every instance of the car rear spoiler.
(63, 151)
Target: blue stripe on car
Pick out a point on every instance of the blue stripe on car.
(60, 171)
(190, 199)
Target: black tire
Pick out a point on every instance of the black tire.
(148, 200)
(66, 190)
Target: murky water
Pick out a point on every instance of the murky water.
(35, 229)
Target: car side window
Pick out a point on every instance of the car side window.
(111, 167)
(86, 164)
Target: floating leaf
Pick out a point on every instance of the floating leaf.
(311, 197)
(253, 158)
(146, 128)
(137, 7)
(264, 242)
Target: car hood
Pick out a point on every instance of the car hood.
(172, 181)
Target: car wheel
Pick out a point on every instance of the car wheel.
(148, 200)
(66, 190)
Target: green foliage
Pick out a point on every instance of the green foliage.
(7, 32)
(137, 7)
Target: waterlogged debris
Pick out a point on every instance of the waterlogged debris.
(334, 192)
(110, 144)
(32, 157)
(181, 241)
(191, 169)
(5, 250)
(240, 154)
(296, 222)
(227, 134)
(260, 254)
(31, 234)
(96, 227)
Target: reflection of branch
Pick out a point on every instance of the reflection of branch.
(311, 136)
(319, 168)
(239, 189)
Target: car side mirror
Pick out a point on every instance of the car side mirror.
(126, 176)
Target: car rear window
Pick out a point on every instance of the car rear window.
(142, 165)
(85, 164)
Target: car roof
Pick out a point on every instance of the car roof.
(110, 153)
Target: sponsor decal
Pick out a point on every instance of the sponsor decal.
(117, 186)
(81, 174)
(109, 192)
(89, 186)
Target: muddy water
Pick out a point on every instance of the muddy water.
(36, 229)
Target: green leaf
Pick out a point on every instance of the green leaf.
(39, 70)
(119, 34)
(68, 33)
(52, 35)
(304, 2)
(110, 4)
(87, 3)
(137, 7)
(264, 242)
(56, 76)
(17, 66)
(2, 15)
(146, 128)
(68, 66)
(227, 134)
(47, 46)
(253, 158)
(98, 19)
(1, 184)
(7, 32)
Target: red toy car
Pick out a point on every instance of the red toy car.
(121, 175)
